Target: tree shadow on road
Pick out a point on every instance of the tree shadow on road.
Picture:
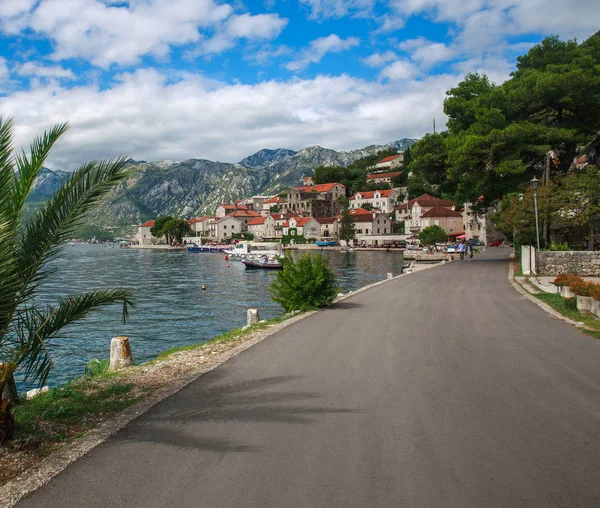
(178, 419)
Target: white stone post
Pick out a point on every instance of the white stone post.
(120, 353)
(253, 316)
(390, 275)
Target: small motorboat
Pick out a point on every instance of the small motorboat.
(263, 263)
(326, 244)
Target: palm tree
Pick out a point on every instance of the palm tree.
(26, 246)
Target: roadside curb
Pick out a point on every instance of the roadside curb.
(525, 294)
(39, 475)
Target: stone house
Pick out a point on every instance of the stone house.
(225, 228)
(330, 226)
(411, 212)
(367, 224)
(144, 236)
(305, 226)
(382, 200)
(315, 200)
(268, 203)
(382, 177)
(391, 162)
(451, 221)
(263, 227)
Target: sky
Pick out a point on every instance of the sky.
(181, 79)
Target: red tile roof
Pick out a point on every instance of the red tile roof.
(193, 220)
(276, 199)
(326, 220)
(302, 221)
(371, 194)
(323, 187)
(373, 176)
(257, 221)
(441, 211)
(278, 216)
(425, 200)
(147, 224)
(244, 213)
(390, 158)
(360, 211)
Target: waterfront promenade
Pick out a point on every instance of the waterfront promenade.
(442, 388)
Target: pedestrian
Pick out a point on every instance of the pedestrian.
(462, 249)
(469, 249)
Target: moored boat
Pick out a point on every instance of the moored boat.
(207, 248)
(263, 263)
(326, 244)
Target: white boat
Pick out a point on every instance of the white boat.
(253, 250)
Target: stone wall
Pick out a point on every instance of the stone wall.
(584, 263)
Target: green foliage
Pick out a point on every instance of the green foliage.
(274, 209)
(399, 228)
(246, 235)
(368, 207)
(347, 231)
(27, 326)
(298, 239)
(158, 229)
(432, 235)
(559, 246)
(96, 367)
(305, 284)
(171, 228)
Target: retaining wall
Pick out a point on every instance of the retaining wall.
(584, 263)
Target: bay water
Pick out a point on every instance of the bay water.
(171, 307)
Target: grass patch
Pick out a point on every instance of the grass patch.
(568, 308)
(236, 333)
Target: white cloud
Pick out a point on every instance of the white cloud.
(149, 117)
(390, 23)
(325, 9)
(3, 70)
(43, 71)
(260, 26)
(400, 70)
(13, 8)
(425, 52)
(122, 33)
(380, 59)
(266, 54)
(318, 48)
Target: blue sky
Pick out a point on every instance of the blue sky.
(178, 79)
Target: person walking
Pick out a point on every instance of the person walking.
(469, 250)
(461, 249)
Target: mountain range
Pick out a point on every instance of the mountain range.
(196, 187)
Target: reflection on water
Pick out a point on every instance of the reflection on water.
(171, 308)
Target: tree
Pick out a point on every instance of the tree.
(368, 207)
(159, 229)
(347, 230)
(28, 326)
(177, 229)
(432, 235)
(305, 284)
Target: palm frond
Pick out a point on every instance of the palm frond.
(33, 329)
(28, 167)
(55, 222)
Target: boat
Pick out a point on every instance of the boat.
(263, 263)
(326, 244)
(207, 248)
(254, 250)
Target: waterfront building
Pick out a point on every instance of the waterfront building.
(382, 200)
(315, 200)
(144, 236)
(330, 226)
(305, 226)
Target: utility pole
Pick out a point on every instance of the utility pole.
(434, 125)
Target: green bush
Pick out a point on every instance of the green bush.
(96, 367)
(559, 246)
(305, 284)
(298, 239)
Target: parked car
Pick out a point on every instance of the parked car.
(496, 243)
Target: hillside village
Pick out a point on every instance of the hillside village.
(310, 212)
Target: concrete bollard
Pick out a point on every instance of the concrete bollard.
(10, 390)
(36, 391)
(253, 316)
(120, 353)
(390, 275)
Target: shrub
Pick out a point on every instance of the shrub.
(96, 367)
(566, 279)
(305, 284)
(583, 288)
(559, 246)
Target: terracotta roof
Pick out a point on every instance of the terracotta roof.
(372, 176)
(390, 158)
(228, 216)
(278, 216)
(244, 213)
(441, 211)
(147, 224)
(429, 201)
(363, 217)
(276, 199)
(302, 221)
(257, 221)
(326, 220)
(360, 211)
(582, 159)
(323, 187)
(193, 220)
(371, 194)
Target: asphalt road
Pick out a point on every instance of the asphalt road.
(444, 388)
